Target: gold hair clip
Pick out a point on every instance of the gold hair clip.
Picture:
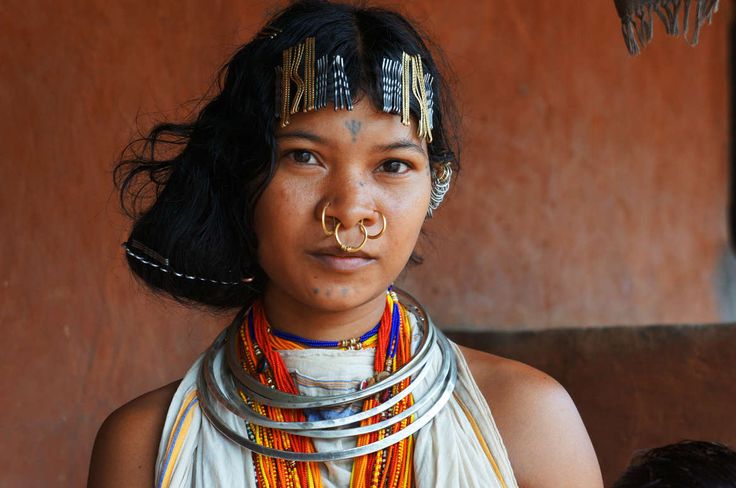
(295, 60)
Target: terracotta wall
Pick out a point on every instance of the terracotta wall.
(595, 184)
(594, 191)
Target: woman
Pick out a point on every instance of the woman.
(298, 196)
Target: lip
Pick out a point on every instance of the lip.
(338, 260)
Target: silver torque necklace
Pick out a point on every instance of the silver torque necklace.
(221, 379)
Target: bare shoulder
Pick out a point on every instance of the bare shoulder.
(126, 446)
(538, 421)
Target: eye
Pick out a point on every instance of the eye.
(301, 156)
(394, 166)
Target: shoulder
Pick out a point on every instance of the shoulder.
(538, 421)
(126, 446)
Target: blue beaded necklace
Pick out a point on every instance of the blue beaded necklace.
(325, 344)
(393, 337)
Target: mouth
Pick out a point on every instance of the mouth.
(338, 260)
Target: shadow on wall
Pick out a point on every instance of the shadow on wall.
(725, 277)
(728, 284)
(726, 274)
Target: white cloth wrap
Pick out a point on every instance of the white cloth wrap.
(447, 451)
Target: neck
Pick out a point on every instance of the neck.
(310, 322)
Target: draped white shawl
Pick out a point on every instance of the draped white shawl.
(460, 447)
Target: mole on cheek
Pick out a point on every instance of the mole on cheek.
(315, 291)
(328, 292)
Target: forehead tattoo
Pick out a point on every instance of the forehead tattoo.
(354, 127)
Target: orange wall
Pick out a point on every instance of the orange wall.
(594, 191)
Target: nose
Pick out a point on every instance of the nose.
(350, 201)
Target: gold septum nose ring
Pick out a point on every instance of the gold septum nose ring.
(335, 231)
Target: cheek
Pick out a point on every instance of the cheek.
(281, 205)
(410, 216)
(275, 221)
(286, 228)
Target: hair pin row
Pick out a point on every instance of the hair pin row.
(304, 83)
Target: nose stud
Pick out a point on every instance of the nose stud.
(363, 230)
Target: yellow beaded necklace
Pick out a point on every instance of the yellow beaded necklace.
(390, 467)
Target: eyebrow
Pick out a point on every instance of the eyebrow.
(301, 134)
(310, 136)
(402, 144)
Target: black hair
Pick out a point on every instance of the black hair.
(686, 464)
(191, 188)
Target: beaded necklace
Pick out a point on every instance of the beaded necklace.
(292, 341)
(389, 467)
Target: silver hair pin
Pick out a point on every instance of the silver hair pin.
(341, 86)
(396, 90)
(430, 98)
(386, 85)
(322, 83)
(391, 85)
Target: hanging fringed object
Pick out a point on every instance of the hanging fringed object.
(636, 19)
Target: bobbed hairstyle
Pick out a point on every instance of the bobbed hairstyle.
(686, 464)
(191, 188)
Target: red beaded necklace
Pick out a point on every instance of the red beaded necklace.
(390, 467)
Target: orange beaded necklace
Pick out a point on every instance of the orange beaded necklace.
(390, 467)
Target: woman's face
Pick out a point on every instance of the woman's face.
(357, 163)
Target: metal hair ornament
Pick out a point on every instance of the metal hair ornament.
(151, 258)
(303, 83)
(401, 79)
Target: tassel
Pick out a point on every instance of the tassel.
(636, 19)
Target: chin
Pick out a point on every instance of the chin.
(339, 297)
(344, 296)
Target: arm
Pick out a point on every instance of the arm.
(544, 435)
(125, 450)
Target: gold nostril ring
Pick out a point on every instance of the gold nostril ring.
(344, 246)
(383, 227)
(327, 231)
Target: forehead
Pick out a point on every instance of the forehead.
(365, 121)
